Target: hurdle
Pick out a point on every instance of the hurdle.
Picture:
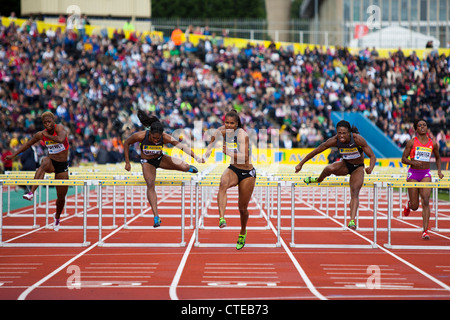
(46, 183)
(390, 187)
(207, 196)
(90, 203)
(335, 184)
(101, 243)
(198, 207)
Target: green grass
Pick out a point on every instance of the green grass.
(17, 202)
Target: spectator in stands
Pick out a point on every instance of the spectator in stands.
(93, 77)
(7, 163)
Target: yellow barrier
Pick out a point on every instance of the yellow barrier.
(215, 183)
(43, 182)
(420, 184)
(139, 183)
(333, 184)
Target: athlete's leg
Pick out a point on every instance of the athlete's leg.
(425, 197)
(338, 168)
(172, 163)
(245, 194)
(228, 180)
(356, 182)
(61, 192)
(149, 173)
(413, 194)
(45, 167)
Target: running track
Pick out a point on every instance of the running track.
(208, 273)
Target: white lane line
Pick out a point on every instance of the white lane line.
(300, 270)
(440, 283)
(24, 294)
(176, 279)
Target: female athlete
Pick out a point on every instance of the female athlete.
(240, 172)
(417, 155)
(54, 137)
(351, 147)
(152, 157)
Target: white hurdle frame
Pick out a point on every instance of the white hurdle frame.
(372, 245)
(182, 243)
(201, 184)
(390, 189)
(46, 183)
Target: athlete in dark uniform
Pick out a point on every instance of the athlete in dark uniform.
(240, 172)
(351, 147)
(54, 137)
(152, 156)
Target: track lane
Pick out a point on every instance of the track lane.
(201, 273)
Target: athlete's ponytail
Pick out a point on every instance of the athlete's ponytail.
(150, 122)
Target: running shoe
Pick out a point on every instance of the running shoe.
(309, 180)
(157, 221)
(425, 235)
(28, 196)
(406, 210)
(241, 241)
(352, 225)
(56, 224)
(222, 223)
(192, 169)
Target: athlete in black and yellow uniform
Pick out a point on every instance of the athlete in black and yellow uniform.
(152, 156)
(240, 172)
(351, 147)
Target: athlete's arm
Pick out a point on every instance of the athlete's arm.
(438, 159)
(218, 134)
(407, 152)
(332, 142)
(37, 137)
(167, 138)
(135, 137)
(360, 141)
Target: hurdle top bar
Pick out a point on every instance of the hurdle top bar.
(58, 182)
(87, 182)
(215, 183)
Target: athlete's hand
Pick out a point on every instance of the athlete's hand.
(9, 157)
(127, 166)
(441, 176)
(298, 167)
(369, 170)
(206, 155)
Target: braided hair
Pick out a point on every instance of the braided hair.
(346, 124)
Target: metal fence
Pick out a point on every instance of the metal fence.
(294, 30)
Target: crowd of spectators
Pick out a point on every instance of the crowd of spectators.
(94, 84)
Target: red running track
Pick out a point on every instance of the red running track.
(221, 272)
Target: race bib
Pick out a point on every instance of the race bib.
(423, 154)
(349, 153)
(54, 147)
(152, 150)
(232, 145)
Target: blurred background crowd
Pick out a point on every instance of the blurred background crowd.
(95, 84)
